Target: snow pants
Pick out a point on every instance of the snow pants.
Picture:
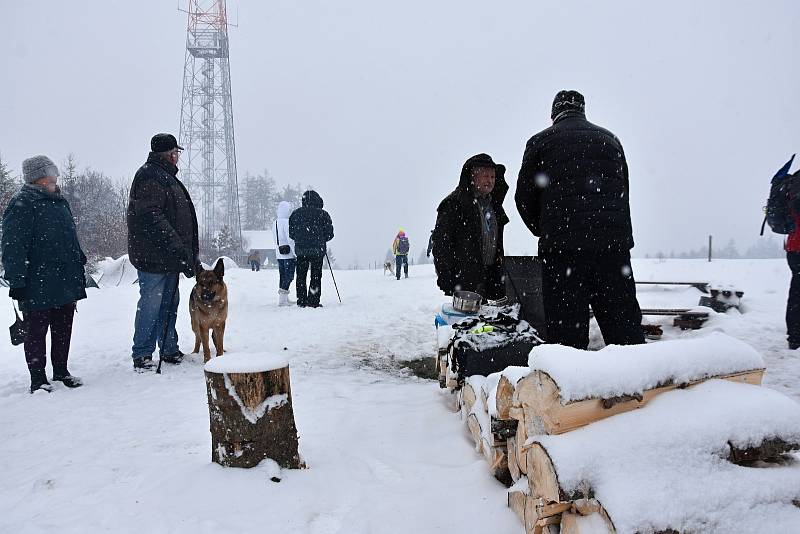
(59, 321)
(571, 284)
(311, 296)
(793, 302)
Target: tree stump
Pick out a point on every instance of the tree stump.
(250, 409)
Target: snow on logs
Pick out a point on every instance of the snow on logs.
(250, 409)
(704, 427)
(667, 467)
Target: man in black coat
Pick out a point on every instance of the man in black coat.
(572, 193)
(162, 243)
(311, 228)
(468, 237)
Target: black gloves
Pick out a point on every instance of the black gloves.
(187, 264)
(17, 293)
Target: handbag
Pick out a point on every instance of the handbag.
(18, 330)
(283, 249)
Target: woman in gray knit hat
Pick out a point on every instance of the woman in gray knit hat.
(43, 264)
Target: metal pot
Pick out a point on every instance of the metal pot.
(467, 301)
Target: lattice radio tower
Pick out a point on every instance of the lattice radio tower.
(206, 130)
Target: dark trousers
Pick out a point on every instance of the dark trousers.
(59, 321)
(310, 297)
(793, 303)
(255, 266)
(401, 261)
(571, 284)
(286, 272)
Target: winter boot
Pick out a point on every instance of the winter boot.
(67, 379)
(283, 298)
(175, 357)
(143, 364)
(39, 381)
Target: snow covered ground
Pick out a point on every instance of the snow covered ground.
(130, 452)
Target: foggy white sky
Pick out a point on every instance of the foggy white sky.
(378, 104)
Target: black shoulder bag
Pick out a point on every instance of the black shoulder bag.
(283, 249)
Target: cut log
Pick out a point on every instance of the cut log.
(468, 396)
(475, 431)
(504, 397)
(442, 366)
(543, 481)
(250, 410)
(513, 464)
(537, 396)
(573, 523)
(497, 458)
(522, 456)
(516, 501)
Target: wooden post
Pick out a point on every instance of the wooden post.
(250, 409)
(709, 249)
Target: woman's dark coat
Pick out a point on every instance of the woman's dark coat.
(41, 252)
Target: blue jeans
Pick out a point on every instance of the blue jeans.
(156, 306)
(401, 261)
(286, 272)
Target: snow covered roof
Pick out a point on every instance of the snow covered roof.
(258, 239)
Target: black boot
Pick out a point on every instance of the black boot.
(176, 357)
(63, 376)
(39, 381)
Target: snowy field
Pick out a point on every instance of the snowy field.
(130, 452)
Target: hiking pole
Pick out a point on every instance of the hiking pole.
(166, 323)
(333, 277)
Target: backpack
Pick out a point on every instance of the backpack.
(402, 245)
(778, 214)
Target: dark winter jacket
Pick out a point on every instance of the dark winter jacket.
(310, 226)
(458, 239)
(572, 190)
(162, 224)
(41, 252)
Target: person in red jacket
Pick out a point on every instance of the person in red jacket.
(792, 247)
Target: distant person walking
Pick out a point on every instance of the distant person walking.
(400, 248)
(573, 194)
(311, 228)
(468, 238)
(162, 243)
(254, 259)
(43, 263)
(287, 260)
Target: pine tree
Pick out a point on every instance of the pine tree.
(9, 185)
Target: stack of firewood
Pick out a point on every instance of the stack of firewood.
(509, 414)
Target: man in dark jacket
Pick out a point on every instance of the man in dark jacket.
(573, 194)
(311, 228)
(162, 243)
(43, 264)
(468, 237)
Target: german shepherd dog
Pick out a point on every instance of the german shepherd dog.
(208, 308)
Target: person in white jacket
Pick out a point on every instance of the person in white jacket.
(285, 252)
